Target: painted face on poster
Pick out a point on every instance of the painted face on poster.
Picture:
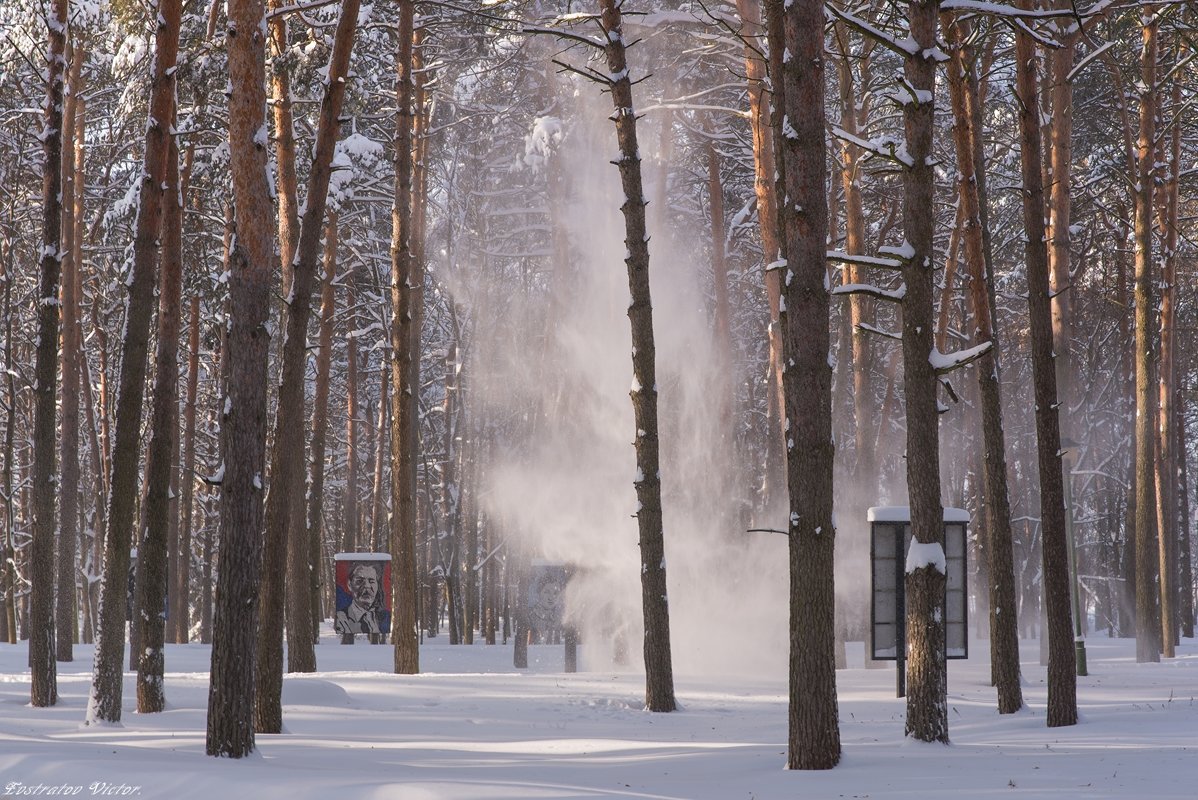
(362, 597)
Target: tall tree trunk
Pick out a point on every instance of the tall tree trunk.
(105, 702)
(220, 375)
(164, 432)
(814, 733)
(470, 483)
(9, 568)
(1148, 640)
(349, 503)
(286, 531)
(44, 684)
(96, 411)
(378, 490)
(776, 434)
(1059, 212)
(1004, 632)
(1185, 566)
(450, 490)
(66, 618)
(927, 708)
(182, 588)
(659, 672)
(286, 181)
(243, 430)
(1167, 455)
(721, 323)
(320, 409)
(1062, 665)
(269, 667)
(405, 385)
(854, 113)
(764, 174)
(179, 559)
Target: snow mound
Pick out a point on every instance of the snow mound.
(315, 692)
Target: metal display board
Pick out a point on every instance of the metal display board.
(890, 539)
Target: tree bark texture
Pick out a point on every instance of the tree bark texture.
(1148, 641)
(775, 456)
(286, 531)
(814, 732)
(1167, 455)
(243, 429)
(164, 432)
(659, 672)
(405, 370)
(320, 409)
(106, 691)
(44, 671)
(1004, 632)
(66, 617)
(761, 126)
(1060, 211)
(181, 590)
(349, 504)
(8, 569)
(854, 113)
(1185, 567)
(1062, 665)
(282, 61)
(927, 707)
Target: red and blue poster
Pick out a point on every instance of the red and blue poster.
(363, 593)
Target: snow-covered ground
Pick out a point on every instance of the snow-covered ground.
(473, 728)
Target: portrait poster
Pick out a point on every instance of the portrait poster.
(546, 594)
(363, 593)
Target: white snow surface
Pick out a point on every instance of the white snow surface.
(470, 727)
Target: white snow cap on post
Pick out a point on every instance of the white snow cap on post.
(903, 514)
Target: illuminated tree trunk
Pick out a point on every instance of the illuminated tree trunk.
(320, 410)
(1185, 567)
(927, 707)
(814, 732)
(1167, 455)
(1059, 209)
(105, 702)
(8, 569)
(44, 672)
(1062, 665)
(1004, 632)
(854, 112)
(405, 370)
(349, 503)
(659, 672)
(182, 587)
(243, 429)
(164, 431)
(286, 528)
(1148, 640)
(66, 618)
(761, 127)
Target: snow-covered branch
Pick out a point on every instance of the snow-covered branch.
(865, 326)
(890, 295)
(864, 261)
(947, 362)
(904, 47)
(883, 147)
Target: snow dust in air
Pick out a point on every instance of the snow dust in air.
(564, 490)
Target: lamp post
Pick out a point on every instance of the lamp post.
(1079, 641)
